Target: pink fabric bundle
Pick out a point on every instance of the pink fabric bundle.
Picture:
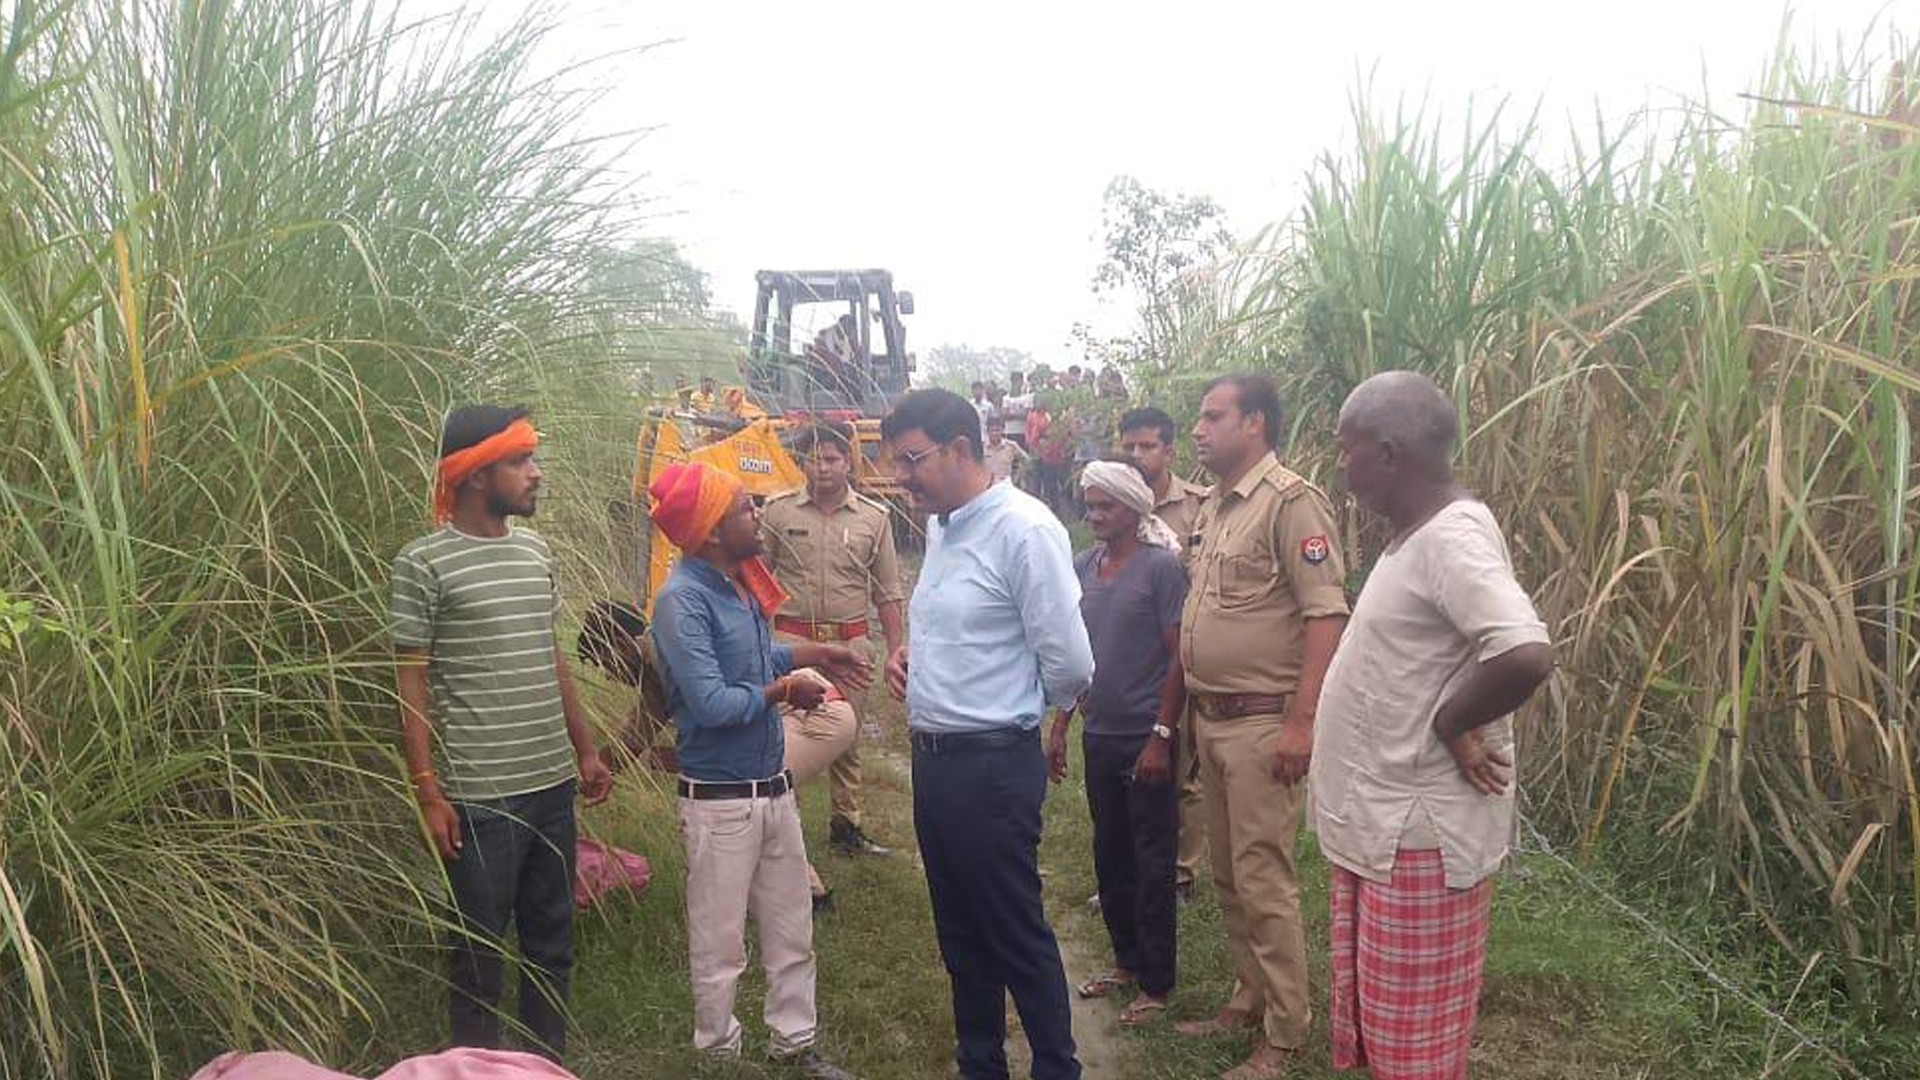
(460, 1063)
(600, 869)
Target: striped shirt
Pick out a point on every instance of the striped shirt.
(483, 610)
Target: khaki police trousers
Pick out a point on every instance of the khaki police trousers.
(1192, 852)
(1252, 824)
(844, 773)
(814, 740)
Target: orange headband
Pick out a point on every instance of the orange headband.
(516, 438)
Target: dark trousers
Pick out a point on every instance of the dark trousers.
(976, 809)
(1136, 844)
(515, 865)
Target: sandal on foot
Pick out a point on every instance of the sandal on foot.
(1142, 1011)
(1102, 985)
(1267, 1063)
(1224, 1022)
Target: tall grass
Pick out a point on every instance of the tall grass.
(1684, 354)
(249, 252)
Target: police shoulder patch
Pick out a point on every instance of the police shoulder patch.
(1315, 549)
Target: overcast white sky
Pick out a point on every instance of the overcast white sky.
(965, 145)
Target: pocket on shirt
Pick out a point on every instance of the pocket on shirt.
(1244, 580)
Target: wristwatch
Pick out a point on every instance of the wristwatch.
(1163, 731)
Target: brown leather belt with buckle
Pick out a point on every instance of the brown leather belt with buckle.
(820, 629)
(1234, 706)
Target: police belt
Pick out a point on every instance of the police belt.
(820, 629)
(1235, 706)
(771, 788)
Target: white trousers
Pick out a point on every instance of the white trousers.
(745, 856)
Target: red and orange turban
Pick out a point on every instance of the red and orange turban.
(517, 437)
(688, 500)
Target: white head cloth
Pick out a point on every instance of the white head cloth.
(1123, 482)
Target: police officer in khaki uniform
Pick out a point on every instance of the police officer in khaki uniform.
(831, 548)
(1263, 615)
(1146, 436)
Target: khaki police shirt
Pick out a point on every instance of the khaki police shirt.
(1180, 509)
(833, 562)
(1267, 561)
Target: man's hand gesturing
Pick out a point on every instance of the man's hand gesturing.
(846, 667)
(805, 691)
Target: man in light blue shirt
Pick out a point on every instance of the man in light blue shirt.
(996, 638)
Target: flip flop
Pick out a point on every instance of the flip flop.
(1102, 985)
(1141, 1012)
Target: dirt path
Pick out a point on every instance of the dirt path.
(1096, 1026)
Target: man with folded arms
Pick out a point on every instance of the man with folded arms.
(997, 637)
(479, 668)
(1413, 754)
(725, 680)
(831, 549)
(1263, 614)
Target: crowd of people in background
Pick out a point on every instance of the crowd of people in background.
(1053, 423)
(1206, 640)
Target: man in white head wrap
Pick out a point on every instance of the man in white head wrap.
(1122, 480)
(1132, 587)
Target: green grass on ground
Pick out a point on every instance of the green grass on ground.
(1573, 989)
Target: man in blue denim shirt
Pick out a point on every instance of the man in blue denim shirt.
(996, 637)
(724, 678)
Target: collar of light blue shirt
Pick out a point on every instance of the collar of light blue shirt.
(973, 507)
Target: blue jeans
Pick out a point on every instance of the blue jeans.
(515, 865)
(976, 810)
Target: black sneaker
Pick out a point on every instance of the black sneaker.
(810, 1064)
(846, 838)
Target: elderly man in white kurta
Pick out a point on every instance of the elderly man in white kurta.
(1412, 772)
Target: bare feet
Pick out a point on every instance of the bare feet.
(1268, 1062)
(1224, 1022)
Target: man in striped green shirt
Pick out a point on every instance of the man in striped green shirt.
(483, 682)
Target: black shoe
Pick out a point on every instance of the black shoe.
(823, 902)
(810, 1064)
(846, 838)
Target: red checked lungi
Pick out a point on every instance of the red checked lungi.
(1406, 968)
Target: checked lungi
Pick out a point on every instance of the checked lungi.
(1406, 969)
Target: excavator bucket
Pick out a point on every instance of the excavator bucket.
(754, 454)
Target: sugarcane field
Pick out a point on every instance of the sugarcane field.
(753, 541)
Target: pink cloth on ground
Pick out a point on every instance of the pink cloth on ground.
(601, 868)
(460, 1063)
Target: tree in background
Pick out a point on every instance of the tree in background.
(657, 320)
(957, 367)
(1156, 244)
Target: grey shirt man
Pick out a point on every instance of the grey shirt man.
(1127, 617)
